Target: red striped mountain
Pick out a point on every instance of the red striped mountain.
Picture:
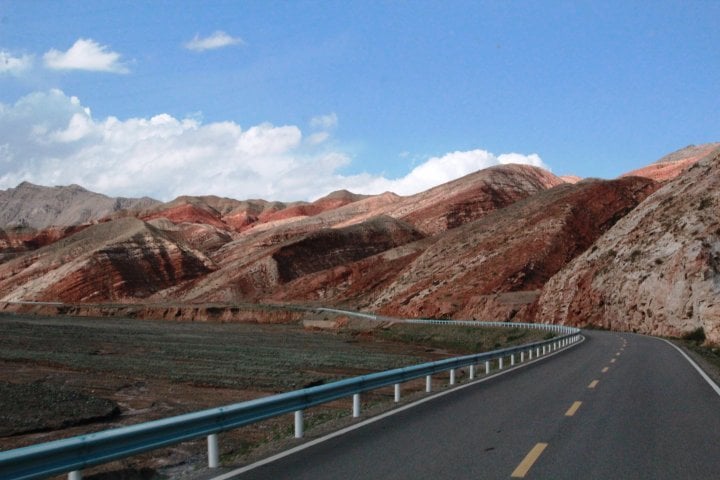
(254, 262)
(492, 268)
(217, 249)
(118, 260)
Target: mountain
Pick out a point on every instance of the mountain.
(673, 164)
(38, 207)
(254, 262)
(126, 258)
(492, 268)
(512, 242)
(657, 270)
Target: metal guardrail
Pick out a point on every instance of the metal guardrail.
(76, 453)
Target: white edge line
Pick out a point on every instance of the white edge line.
(286, 453)
(697, 367)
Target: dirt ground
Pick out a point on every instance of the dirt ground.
(98, 373)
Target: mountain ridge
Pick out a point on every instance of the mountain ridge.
(511, 242)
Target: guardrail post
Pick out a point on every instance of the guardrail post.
(522, 356)
(356, 405)
(452, 376)
(537, 352)
(397, 393)
(487, 367)
(299, 424)
(472, 372)
(500, 363)
(213, 451)
(75, 475)
(512, 359)
(428, 384)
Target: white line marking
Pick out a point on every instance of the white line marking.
(697, 367)
(260, 463)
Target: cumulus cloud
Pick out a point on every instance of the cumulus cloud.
(218, 39)
(50, 138)
(12, 65)
(85, 54)
(438, 170)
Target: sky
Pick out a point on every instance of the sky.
(290, 100)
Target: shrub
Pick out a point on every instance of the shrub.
(697, 335)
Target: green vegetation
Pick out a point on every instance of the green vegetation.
(239, 355)
(37, 407)
(113, 357)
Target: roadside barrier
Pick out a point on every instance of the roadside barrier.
(77, 453)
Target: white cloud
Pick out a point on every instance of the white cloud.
(324, 122)
(50, 138)
(317, 138)
(12, 65)
(218, 39)
(438, 170)
(85, 54)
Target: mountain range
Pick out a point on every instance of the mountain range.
(512, 242)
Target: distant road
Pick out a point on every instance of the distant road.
(620, 406)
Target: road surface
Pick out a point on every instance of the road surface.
(619, 406)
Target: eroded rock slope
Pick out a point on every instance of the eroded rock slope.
(656, 271)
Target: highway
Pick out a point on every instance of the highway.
(619, 406)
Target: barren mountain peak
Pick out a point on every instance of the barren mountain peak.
(39, 207)
(673, 164)
(691, 151)
(342, 194)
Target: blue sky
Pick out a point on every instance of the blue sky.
(291, 100)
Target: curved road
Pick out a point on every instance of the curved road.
(619, 406)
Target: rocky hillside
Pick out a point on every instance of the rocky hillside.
(293, 259)
(656, 271)
(38, 207)
(494, 267)
(111, 261)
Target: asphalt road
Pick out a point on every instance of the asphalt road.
(619, 406)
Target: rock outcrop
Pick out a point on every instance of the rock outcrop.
(657, 271)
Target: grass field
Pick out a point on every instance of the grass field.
(88, 374)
